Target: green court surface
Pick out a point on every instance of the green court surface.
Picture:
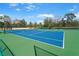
(21, 46)
(0, 54)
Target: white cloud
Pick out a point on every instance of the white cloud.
(42, 16)
(13, 4)
(40, 21)
(30, 7)
(1, 14)
(46, 15)
(77, 15)
(73, 8)
(18, 9)
(38, 17)
(22, 3)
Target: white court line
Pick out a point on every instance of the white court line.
(46, 38)
(37, 33)
(39, 41)
(63, 40)
(38, 36)
(43, 37)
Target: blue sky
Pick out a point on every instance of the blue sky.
(36, 12)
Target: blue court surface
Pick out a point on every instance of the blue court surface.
(50, 37)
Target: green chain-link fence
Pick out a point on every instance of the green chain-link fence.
(4, 50)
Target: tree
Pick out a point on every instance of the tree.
(1, 24)
(7, 22)
(16, 23)
(19, 23)
(35, 24)
(40, 25)
(75, 23)
(69, 18)
(23, 23)
(48, 22)
(62, 23)
(30, 24)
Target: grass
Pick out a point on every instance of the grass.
(22, 46)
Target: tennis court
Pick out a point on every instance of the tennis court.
(55, 38)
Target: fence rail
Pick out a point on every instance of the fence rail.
(43, 52)
(4, 49)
